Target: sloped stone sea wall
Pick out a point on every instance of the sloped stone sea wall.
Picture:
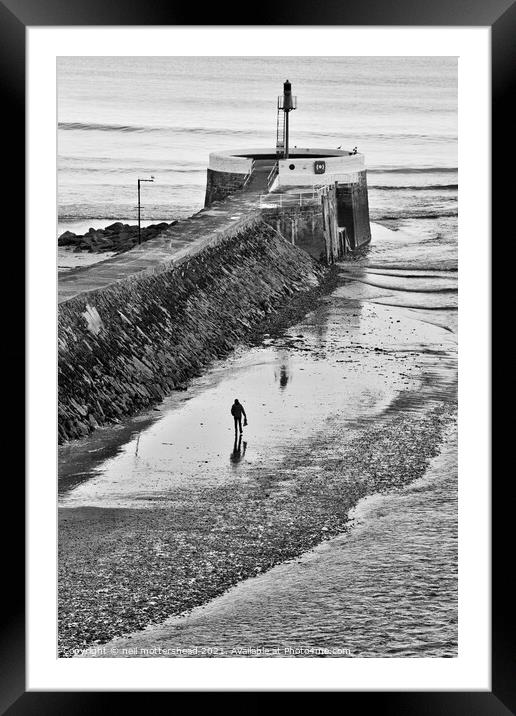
(124, 347)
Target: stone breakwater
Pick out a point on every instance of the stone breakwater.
(124, 347)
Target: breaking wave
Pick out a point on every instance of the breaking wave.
(416, 187)
(409, 215)
(413, 170)
(93, 127)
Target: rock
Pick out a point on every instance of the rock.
(66, 238)
(116, 237)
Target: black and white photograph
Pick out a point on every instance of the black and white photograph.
(249, 355)
(257, 356)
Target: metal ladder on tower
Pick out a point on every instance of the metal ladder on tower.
(280, 133)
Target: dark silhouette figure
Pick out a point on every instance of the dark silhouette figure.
(284, 376)
(238, 453)
(237, 410)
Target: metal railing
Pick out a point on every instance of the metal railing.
(324, 181)
(272, 176)
(249, 175)
(278, 201)
(281, 99)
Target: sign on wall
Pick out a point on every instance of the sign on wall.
(319, 167)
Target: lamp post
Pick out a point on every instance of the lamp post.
(139, 223)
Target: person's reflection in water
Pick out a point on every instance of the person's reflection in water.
(283, 370)
(239, 449)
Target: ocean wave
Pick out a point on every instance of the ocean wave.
(415, 305)
(412, 170)
(91, 126)
(117, 212)
(396, 274)
(411, 267)
(407, 214)
(416, 187)
(405, 289)
(124, 170)
(379, 136)
(94, 127)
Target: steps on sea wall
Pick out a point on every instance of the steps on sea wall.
(123, 347)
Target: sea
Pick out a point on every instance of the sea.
(388, 587)
(121, 118)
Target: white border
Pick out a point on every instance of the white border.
(471, 670)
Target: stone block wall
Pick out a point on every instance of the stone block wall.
(124, 347)
(220, 185)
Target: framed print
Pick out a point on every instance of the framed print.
(258, 354)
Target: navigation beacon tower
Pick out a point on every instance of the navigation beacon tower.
(286, 103)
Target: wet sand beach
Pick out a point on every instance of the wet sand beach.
(355, 399)
(364, 593)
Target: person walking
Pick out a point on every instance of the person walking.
(237, 410)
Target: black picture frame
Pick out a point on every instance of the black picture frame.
(15, 17)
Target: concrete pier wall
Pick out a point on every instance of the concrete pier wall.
(353, 211)
(306, 168)
(344, 168)
(301, 226)
(125, 346)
